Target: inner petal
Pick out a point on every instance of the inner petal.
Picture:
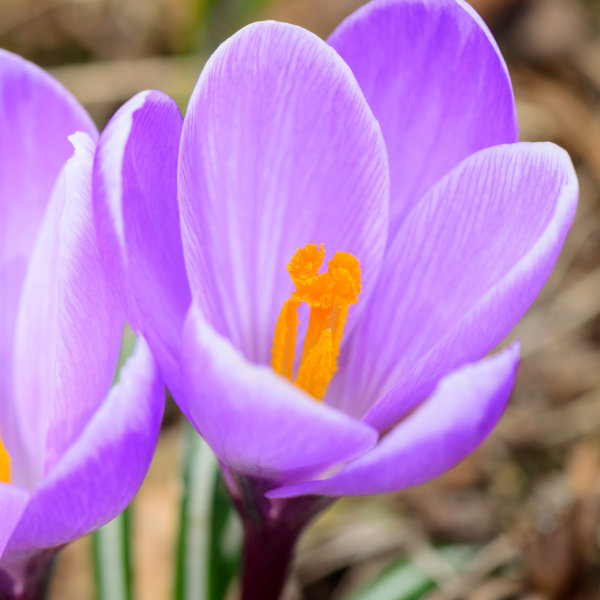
(329, 296)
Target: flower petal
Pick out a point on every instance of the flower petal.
(135, 204)
(437, 83)
(11, 281)
(461, 413)
(465, 266)
(279, 149)
(100, 472)
(33, 149)
(13, 501)
(69, 325)
(256, 422)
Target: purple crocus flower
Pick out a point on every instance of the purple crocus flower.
(72, 452)
(395, 147)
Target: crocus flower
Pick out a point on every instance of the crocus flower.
(72, 452)
(391, 150)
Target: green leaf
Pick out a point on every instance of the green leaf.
(111, 544)
(112, 559)
(127, 347)
(208, 548)
(406, 580)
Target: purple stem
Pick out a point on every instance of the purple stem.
(28, 577)
(268, 554)
(271, 530)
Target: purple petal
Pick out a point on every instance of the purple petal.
(256, 422)
(461, 413)
(69, 325)
(13, 501)
(11, 280)
(135, 203)
(33, 149)
(465, 266)
(279, 149)
(436, 82)
(100, 472)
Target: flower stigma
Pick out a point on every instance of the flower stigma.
(329, 296)
(4, 464)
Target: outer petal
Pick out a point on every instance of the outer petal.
(33, 149)
(279, 149)
(100, 473)
(464, 267)
(450, 425)
(135, 203)
(256, 422)
(13, 501)
(69, 325)
(436, 82)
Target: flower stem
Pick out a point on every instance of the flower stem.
(271, 530)
(29, 578)
(268, 553)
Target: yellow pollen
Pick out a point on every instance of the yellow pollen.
(4, 464)
(329, 296)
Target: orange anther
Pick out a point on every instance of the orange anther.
(315, 371)
(284, 340)
(345, 271)
(329, 295)
(4, 464)
(305, 264)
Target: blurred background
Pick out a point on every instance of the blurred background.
(520, 519)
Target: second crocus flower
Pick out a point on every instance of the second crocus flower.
(73, 452)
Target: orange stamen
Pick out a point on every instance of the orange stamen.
(305, 264)
(4, 464)
(339, 316)
(318, 321)
(315, 371)
(329, 296)
(284, 341)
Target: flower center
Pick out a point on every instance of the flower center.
(329, 296)
(4, 464)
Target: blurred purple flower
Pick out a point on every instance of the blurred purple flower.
(72, 452)
(396, 143)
